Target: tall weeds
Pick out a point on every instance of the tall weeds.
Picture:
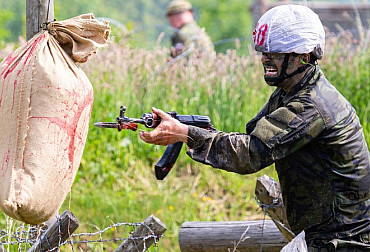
(116, 180)
(229, 89)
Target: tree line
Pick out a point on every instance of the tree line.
(223, 19)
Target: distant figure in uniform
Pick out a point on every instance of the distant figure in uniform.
(188, 35)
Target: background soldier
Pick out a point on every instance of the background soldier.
(187, 35)
(307, 128)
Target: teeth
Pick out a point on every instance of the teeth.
(270, 69)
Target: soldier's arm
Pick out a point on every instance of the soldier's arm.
(228, 151)
(275, 136)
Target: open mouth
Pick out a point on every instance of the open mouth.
(270, 70)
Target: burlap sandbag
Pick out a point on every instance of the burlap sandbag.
(45, 106)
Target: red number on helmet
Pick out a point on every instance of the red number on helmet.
(259, 34)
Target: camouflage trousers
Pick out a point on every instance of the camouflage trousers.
(348, 249)
(359, 244)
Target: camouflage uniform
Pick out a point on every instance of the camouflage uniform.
(192, 35)
(315, 139)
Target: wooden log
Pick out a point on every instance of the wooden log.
(37, 14)
(142, 238)
(242, 236)
(56, 233)
(268, 193)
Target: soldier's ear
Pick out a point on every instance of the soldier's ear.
(305, 58)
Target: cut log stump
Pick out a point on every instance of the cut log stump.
(242, 236)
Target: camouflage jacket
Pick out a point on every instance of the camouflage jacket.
(315, 139)
(191, 35)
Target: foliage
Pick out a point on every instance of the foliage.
(116, 181)
(12, 20)
(144, 19)
(5, 16)
(219, 18)
(347, 65)
(230, 89)
(122, 166)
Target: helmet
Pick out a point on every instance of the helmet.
(290, 28)
(178, 6)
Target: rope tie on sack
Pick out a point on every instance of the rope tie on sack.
(45, 24)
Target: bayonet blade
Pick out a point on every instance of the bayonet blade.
(111, 125)
(119, 127)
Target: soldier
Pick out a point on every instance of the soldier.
(307, 128)
(187, 35)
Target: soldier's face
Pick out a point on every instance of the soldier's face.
(273, 65)
(175, 20)
(178, 20)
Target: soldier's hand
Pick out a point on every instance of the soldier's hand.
(173, 52)
(177, 50)
(169, 131)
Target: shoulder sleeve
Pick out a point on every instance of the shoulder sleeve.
(288, 129)
(275, 136)
(252, 123)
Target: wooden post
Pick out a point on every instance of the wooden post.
(37, 15)
(57, 233)
(151, 226)
(242, 236)
(268, 193)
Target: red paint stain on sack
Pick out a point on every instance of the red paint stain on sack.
(70, 127)
(12, 63)
(10, 60)
(6, 159)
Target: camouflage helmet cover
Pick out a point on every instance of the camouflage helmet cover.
(178, 6)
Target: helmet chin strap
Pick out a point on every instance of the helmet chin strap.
(277, 80)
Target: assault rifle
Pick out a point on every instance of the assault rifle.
(151, 120)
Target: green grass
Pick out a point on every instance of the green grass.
(116, 181)
(121, 165)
